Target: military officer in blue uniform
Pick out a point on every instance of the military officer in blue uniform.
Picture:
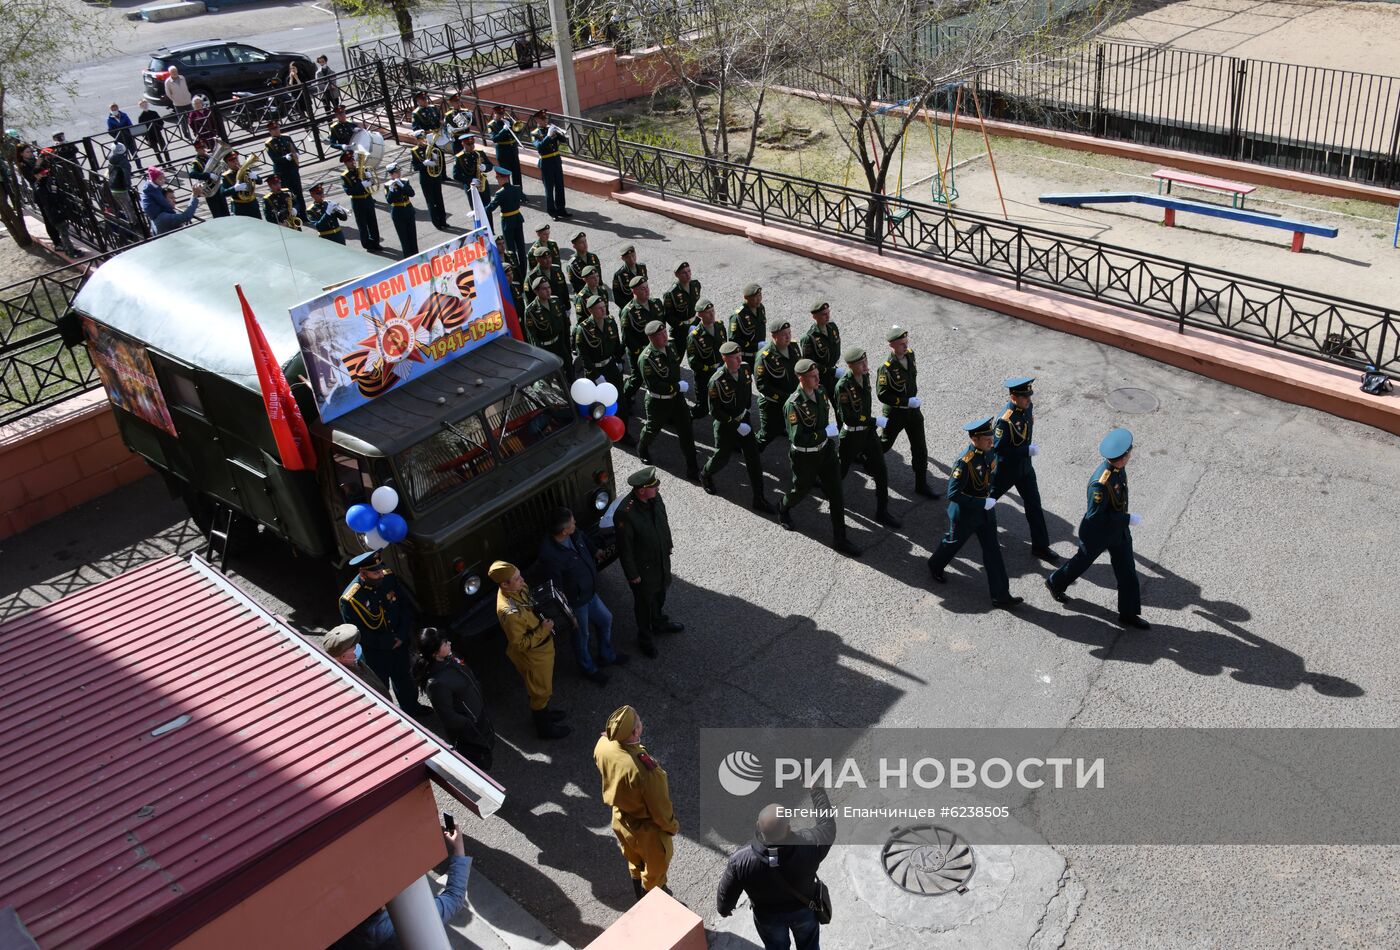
(1107, 526)
(730, 393)
(1014, 446)
(505, 135)
(508, 198)
(382, 610)
(897, 386)
(970, 505)
(398, 195)
(548, 139)
(325, 216)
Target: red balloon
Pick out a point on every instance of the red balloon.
(613, 427)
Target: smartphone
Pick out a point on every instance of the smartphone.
(448, 822)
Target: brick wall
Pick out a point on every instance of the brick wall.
(61, 458)
(602, 77)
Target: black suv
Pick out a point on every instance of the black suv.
(218, 68)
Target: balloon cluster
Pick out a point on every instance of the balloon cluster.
(377, 521)
(598, 401)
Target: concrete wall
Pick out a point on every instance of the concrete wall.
(602, 77)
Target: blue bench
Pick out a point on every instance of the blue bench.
(1170, 206)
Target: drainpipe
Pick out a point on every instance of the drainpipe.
(416, 922)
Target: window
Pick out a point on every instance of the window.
(441, 462)
(201, 58)
(157, 65)
(351, 479)
(247, 54)
(537, 411)
(184, 393)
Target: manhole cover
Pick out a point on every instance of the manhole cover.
(928, 860)
(1129, 399)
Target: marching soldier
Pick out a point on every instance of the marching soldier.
(382, 610)
(505, 135)
(747, 322)
(199, 171)
(639, 311)
(242, 195)
(624, 275)
(397, 195)
(822, 345)
(774, 376)
(1014, 448)
(730, 392)
(282, 152)
(325, 216)
(542, 262)
(342, 130)
(636, 788)
(897, 386)
(860, 430)
(583, 257)
(592, 287)
(529, 646)
(509, 198)
(1107, 526)
(430, 162)
(679, 307)
(279, 207)
(599, 349)
(361, 203)
(644, 551)
(702, 353)
(660, 372)
(812, 449)
(546, 325)
(426, 118)
(542, 241)
(470, 165)
(458, 120)
(548, 139)
(970, 505)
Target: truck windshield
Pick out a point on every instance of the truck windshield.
(441, 462)
(530, 415)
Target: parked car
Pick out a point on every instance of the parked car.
(219, 68)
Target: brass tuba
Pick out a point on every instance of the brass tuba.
(212, 163)
(244, 176)
(435, 160)
(369, 155)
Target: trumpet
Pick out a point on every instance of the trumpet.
(294, 222)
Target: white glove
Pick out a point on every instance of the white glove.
(881, 422)
(915, 402)
(242, 186)
(990, 503)
(685, 387)
(1034, 450)
(745, 428)
(1134, 520)
(840, 371)
(367, 183)
(831, 430)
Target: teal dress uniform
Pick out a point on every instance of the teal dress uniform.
(508, 198)
(634, 319)
(812, 450)
(678, 304)
(398, 195)
(383, 613)
(547, 326)
(860, 438)
(729, 398)
(283, 154)
(362, 205)
(325, 221)
(702, 354)
(773, 375)
(547, 144)
(896, 383)
(665, 404)
(1015, 433)
(969, 488)
(431, 164)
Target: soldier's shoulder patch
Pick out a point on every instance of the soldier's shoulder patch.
(957, 471)
(351, 591)
(969, 455)
(792, 416)
(1105, 476)
(647, 761)
(1098, 496)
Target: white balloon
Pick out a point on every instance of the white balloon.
(584, 392)
(374, 540)
(607, 394)
(384, 499)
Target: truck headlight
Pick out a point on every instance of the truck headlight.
(472, 584)
(601, 499)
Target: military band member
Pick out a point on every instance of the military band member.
(747, 322)
(860, 430)
(471, 165)
(583, 257)
(730, 390)
(897, 387)
(702, 345)
(546, 324)
(426, 118)
(505, 135)
(639, 311)
(666, 407)
(812, 449)
(635, 787)
(542, 262)
(241, 195)
(361, 203)
(382, 610)
(970, 505)
(529, 646)
(279, 207)
(775, 378)
(548, 139)
(342, 130)
(592, 287)
(431, 164)
(398, 195)
(282, 152)
(1014, 447)
(508, 198)
(1107, 526)
(199, 171)
(624, 275)
(822, 345)
(325, 216)
(458, 119)
(599, 348)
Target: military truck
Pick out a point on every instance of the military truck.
(480, 450)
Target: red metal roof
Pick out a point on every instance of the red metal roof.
(159, 735)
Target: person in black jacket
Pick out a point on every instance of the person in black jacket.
(773, 869)
(456, 696)
(569, 558)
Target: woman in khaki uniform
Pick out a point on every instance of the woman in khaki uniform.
(635, 785)
(529, 645)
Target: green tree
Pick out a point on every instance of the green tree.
(400, 11)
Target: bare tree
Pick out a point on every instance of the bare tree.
(400, 11)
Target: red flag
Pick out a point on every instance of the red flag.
(288, 427)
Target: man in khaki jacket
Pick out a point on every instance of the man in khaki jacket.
(635, 785)
(529, 645)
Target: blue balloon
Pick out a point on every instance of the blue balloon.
(361, 518)
(584, 412)
(611, 410)
(392, 527)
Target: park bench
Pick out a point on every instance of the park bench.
(1236, 191)
(1172, 205)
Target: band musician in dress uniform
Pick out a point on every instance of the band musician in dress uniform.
(325, 216)
(279, 207)
(426, 118)
(636, 789)
(241, 195)
(471, 165)
(897, 387)
(508, 198)
(812, 449)
(1015, 447)
(398, 195)
(199, 171)
(730, 393)
(361, 203)
(504, 131)
(282, 152)
(430, 162)
(860, 430)
(382, 610)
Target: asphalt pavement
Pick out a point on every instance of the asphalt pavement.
(1267, 561)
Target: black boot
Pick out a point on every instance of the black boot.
(707, 482)
(884, 517)
(554, 715)
(638, 889)
(761, 504)
(784, 517)
(547, 728)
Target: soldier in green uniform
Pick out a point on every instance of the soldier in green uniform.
(970, 505)
(624, 275)
(644, 552)
(1014, 447)
(382, 610)
(897, 387)
(812, 449)
(774, 376)
(592, 287)
(731, 391)
(425, 118)
(546, 325)
(508, 198)
(542, 262)
(282, 152)
(679, 307)
(860, 430)
(325, 216)
(542, 240)
(660, 372)
(600, 350)
(639, 311)
(1107, 526)
(279, 207)
(583, 257)
(702, 353)
(747, 322)
(822, 344)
